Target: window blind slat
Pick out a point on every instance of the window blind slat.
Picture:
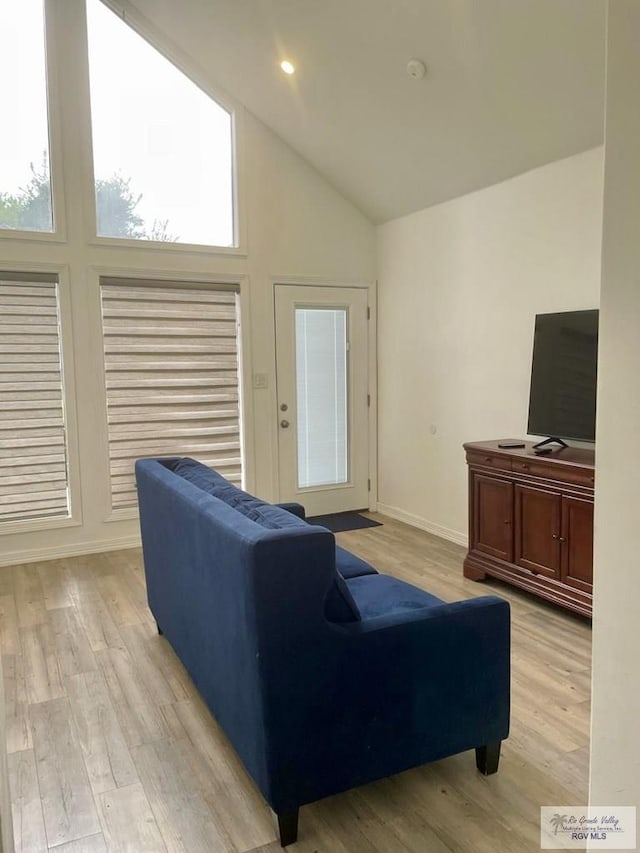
(171, 368)
(46, 490)
(35, 310)
(177, 366)
(33, 478)
(178, 385)
(29, 406)
(128, 290)
(187, 325)
(138, 433)
(163, 447)
(37, 507)
(37, 463)
(32, 423)
(128, 419)
(46, 352)
(29, 446)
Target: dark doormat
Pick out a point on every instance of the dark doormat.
(341, 521)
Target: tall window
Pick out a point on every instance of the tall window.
(33, 456)
(25, 189)
(171, 367)
(162, 148)
(321, 390)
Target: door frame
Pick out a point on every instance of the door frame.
(372, 352)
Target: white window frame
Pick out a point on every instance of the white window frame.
(59, 233)
(241, 282)
(78, 259)
(74, 519)
(183, 63)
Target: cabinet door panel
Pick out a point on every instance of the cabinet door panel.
(577, 547)
(537, 530)
(493, 517)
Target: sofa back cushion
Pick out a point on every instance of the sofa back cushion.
(339, 605)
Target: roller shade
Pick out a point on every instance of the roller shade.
(33, 457)
(171, 368)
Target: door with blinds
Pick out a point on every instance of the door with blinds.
(323, 415)
(171, 360)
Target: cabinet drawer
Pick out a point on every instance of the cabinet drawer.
(554, 471)
(488, 460)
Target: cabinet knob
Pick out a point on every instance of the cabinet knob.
(562, 539)
(554, 536)
(487, 459)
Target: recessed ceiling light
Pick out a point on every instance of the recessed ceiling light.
(416, 69)
(287, 67)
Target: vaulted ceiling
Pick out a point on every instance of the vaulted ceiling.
(511, 85)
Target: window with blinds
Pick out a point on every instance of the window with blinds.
(171, 368)
(33, 455)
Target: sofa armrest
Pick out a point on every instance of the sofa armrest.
(387, 694)
(294, 508)
(490, 609)
(451, 654)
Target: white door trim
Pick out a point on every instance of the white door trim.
(372, 302)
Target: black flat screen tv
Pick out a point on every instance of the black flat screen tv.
(562, 400)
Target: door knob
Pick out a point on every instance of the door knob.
(284, 424)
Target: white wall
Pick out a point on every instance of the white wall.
(296, 226)
(299, 228)
(459, 287)
(615, 734)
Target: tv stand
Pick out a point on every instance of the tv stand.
(550, 440)
(531, 521)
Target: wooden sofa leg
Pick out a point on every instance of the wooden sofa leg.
(488, 758)
(288, 827)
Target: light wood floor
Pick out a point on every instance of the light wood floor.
(110, 747)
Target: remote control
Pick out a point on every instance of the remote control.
(508, 445)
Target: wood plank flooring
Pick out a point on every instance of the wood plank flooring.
(111, 748)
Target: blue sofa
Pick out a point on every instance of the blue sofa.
(323, 673)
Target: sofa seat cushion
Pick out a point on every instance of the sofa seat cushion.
(351, 566)
(382, 595)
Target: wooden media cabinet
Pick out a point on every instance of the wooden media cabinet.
(531, 520)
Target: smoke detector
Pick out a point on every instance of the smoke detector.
(416, 69)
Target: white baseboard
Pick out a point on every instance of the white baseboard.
(423, 524)
(56, 552)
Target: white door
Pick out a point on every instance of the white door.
(322, 380)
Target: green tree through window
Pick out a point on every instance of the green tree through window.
(151, 123)
(30, 208)
(25, 203)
